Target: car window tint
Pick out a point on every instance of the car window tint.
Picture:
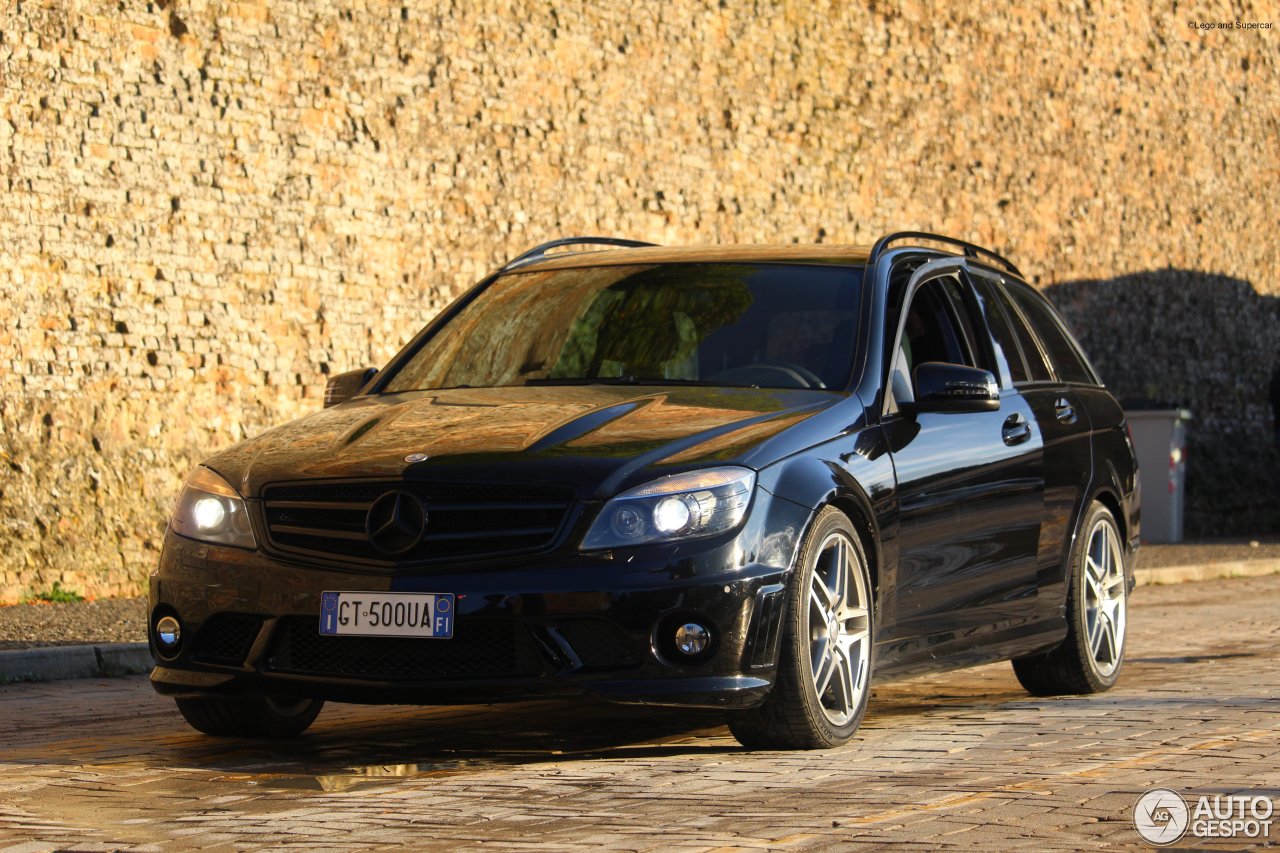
(1065, 354)
(730, 324)
(1037, 368)
(933, 331)
(1001, 331)
(974, 354)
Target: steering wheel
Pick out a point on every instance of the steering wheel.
(795, 375)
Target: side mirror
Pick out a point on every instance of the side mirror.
(944, 387)
(344, 386)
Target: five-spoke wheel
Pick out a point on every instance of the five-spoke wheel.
(1090, 657)
(839, 629)
(1104, 596)
(824, 670)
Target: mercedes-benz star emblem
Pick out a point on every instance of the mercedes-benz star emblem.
(396, 523)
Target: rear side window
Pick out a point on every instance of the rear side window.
(998, 322)
(1012, 334)
(1068, 361)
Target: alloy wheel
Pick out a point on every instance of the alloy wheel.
(1104, 597)
(839, 629)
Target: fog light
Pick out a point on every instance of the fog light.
(168, 632)
(692, 639)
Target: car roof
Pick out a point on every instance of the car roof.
(791, 253)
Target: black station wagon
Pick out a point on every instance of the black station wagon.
(740, 477)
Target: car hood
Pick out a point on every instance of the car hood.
(600, 438)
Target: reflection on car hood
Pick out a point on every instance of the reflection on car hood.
(599, 438)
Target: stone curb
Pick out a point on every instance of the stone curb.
(1206, 572)
(55, 663)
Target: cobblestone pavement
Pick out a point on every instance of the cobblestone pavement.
(965, 760)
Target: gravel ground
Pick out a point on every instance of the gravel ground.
(1209, 551)
(109, 620)
(124, 620)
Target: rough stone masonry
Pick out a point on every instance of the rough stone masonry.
(210, 206)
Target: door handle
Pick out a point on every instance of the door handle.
(1064, 411)
(1016, 430)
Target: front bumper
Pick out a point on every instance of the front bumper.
(548, 626)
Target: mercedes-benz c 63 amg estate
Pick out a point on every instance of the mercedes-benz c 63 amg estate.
(743, 477)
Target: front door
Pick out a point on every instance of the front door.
(970, 486)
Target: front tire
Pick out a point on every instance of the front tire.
(1089, 660)
(824, 672)
(249, 716)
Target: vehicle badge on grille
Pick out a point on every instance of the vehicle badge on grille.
(417, 457)
(396, 523)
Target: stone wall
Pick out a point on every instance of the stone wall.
(209, 206)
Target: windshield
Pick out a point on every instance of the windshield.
(751, 325)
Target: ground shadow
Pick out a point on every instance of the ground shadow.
(348, 742)
(353, 746)
(1210, 343)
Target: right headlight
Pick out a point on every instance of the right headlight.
(210, 510)
(683, 506)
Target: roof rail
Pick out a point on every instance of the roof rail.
(970, 250)
(538, 253)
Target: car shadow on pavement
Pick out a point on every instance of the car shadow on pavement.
(350, 743)
(353, 746)
(63, 723)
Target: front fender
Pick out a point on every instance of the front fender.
(855, 473)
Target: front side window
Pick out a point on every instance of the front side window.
(741, 324)
(937, 328)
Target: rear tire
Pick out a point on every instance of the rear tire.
(1089, 660)
(824, 671)
(249, 716)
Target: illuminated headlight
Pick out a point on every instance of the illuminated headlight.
(684, 506)
(210, 510)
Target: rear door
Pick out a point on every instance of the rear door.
(1062, 409)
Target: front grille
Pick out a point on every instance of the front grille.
(463, 520)
(600, 644)
(479, 649)
(225, 638)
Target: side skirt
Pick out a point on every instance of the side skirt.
(941, 653)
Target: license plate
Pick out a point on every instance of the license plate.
(387, 614)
